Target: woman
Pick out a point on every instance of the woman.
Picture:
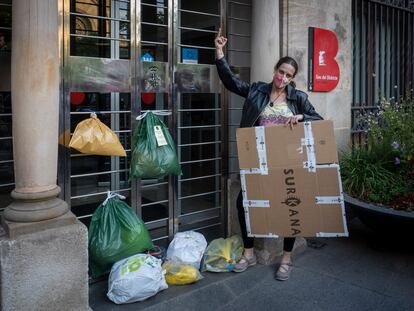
(266, 104)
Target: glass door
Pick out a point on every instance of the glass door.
(122, 58)
(200, 115)
(97, 65)
(6, 139)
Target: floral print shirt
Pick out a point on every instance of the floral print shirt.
(278, 114)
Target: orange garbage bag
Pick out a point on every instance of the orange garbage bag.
(91, 136)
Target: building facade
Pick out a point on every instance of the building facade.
(120, 58)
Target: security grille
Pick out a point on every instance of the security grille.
(383, 54)
(123, 58)
(6, 140)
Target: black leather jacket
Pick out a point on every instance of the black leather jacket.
(257, 96)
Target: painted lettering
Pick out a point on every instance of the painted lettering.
(292, 201)
(294, 222)
(292, 212)
(290, 181)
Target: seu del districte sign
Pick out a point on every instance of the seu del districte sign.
(323, 71)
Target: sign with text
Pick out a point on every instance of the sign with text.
(323, 68)
(290, 181)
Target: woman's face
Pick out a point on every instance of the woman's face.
(283, 75)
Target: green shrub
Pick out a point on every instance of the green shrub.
(381, 171)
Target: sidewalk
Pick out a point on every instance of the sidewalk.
(363, 272)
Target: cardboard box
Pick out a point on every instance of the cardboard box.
(291, 181)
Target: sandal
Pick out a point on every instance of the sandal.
(244, 263)
(282, 274)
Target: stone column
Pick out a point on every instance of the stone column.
(266, 35)
(35, 105)
(44, 257)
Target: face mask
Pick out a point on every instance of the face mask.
(280, 80)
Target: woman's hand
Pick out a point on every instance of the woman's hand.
(294, 120)
(220, 42)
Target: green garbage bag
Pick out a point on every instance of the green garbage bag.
(115, 233)
(221, 255)
(153, 149)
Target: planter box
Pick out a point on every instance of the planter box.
(381, 218)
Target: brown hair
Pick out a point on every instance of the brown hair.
(290, 61)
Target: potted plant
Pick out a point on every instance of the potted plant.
(378, 176)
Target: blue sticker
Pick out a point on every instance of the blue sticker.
(147, 57)
(190, 56)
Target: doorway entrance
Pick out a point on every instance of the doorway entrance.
(121, 58)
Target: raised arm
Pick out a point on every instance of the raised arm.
(229, 79)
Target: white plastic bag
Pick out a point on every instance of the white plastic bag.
(135, 278)
(187, 247)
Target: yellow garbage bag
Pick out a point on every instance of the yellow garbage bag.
(221, 254)
(179, 273)
(91, 136)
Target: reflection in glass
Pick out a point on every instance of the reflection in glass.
(85, 185)
(82, 28)
(199, 101)
(198, 38)
(199, 21)
(200, 152)
(154, 33)
(212, 6)
(160, 3)
(154, 199)
(199, 186)
(5, 16)
(92, 174)
(200, 203)
(154, 101)
(154, 15)
(157, 51)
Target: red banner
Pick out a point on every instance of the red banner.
(323, 68)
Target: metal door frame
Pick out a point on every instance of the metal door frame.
(135, 69)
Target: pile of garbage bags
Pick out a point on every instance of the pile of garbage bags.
(119, 243)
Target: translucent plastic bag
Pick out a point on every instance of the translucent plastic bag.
(135, 279)
(115, 233)
(222, 254)
(187, 247)
(91, 136)
(179, 273)
(153, 149)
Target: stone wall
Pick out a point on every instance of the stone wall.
(335, 15)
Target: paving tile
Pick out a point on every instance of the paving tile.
(344, 297)
(400, 304)
(365, 276)
(211, 297)
(401, 286)
(364, 272)
(249, 279)
(266, 299)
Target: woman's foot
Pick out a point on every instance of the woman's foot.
(245, 262)
(282, 274)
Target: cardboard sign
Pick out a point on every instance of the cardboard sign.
(323, 68)
(290, 180)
